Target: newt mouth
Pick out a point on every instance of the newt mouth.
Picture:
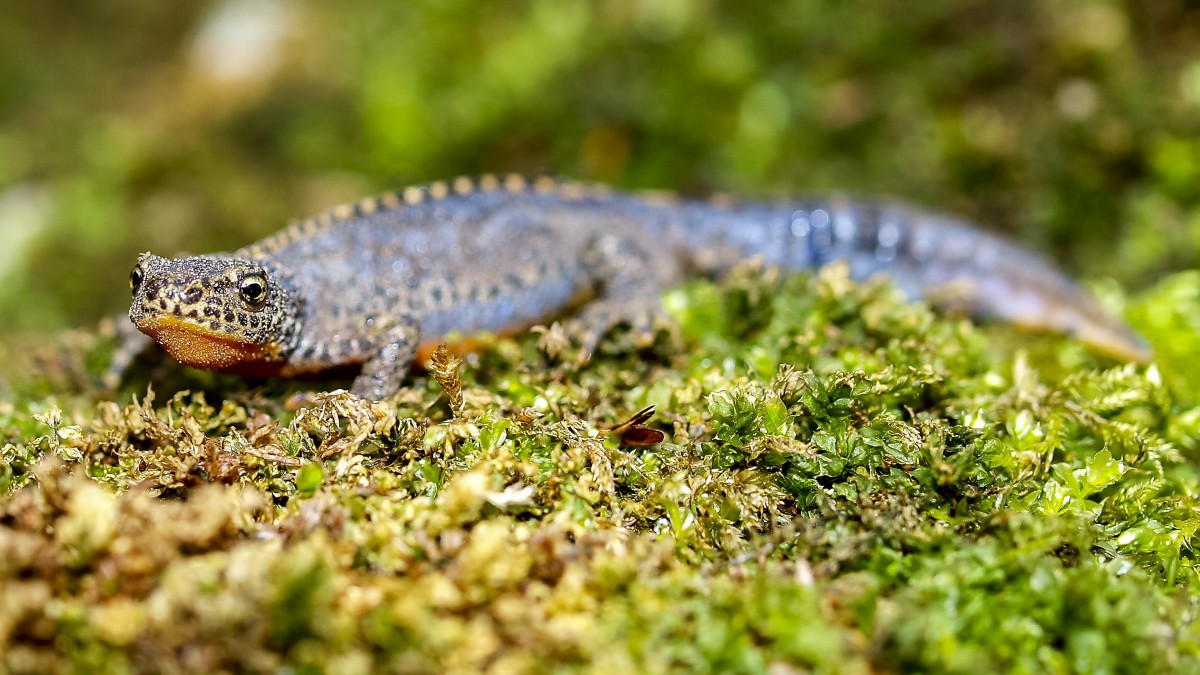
(200, 347)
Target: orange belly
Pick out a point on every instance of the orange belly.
(458, 348)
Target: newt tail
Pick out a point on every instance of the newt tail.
(368, 283)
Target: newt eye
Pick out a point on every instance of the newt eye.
(136, 277)
(253, 288)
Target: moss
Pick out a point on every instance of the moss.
(846, 483)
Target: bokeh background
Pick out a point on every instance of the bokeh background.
(131, 125)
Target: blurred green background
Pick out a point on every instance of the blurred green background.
(131, 125)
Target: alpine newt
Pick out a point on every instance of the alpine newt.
(367, 283)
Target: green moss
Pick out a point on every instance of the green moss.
(847, 483)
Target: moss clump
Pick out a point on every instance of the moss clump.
(847, 483)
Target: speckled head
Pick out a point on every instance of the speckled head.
(214, 312)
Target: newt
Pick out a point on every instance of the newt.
(371, 282)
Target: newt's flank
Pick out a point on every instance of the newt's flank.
(367, 283)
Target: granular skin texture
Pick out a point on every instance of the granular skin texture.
(370, 283)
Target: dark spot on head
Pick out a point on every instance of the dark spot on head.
(242, 319)
(194, 314)
(210, 311)
(228, 316)
(215, 325)
(253, 321)
(178, 312)
(193, 294)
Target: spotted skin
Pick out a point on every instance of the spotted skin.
(368, 283)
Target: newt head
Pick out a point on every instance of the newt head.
(213, 312)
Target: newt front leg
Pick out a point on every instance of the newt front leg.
(385, 370)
